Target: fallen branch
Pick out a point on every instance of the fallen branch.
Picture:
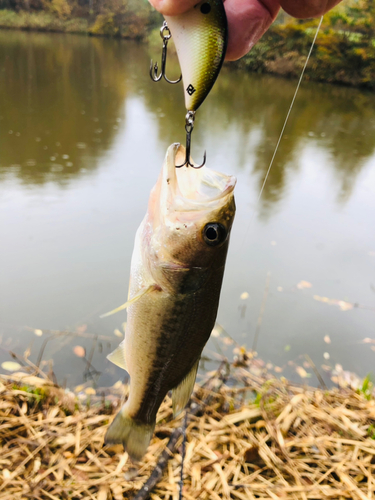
(157, 473)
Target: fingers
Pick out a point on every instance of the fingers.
(248, 20)
(296, 8)
(307, 8)
(173, 7)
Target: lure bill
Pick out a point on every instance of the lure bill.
(201, 37)
(175, 281)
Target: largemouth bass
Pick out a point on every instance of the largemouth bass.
(177, 269)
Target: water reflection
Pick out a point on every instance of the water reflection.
(63, 102)
(82, 114)
(338, 120)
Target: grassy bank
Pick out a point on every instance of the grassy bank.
(344, 52)
(257, 437)
(116, 18)
(42, 21)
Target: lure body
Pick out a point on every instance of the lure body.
(200, 36)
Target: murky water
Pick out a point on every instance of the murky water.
(83, 133)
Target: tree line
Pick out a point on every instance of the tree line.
(125, 18)
(344, 51)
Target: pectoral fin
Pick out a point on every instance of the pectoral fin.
(117, 357)
(131, 301)
(181, 394)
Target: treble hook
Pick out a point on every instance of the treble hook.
(189, 125)
(154, 68)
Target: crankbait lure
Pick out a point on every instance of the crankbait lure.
(200, 36)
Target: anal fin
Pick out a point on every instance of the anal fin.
(117, 357)
(181, 394)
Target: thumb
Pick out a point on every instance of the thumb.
(172, 7)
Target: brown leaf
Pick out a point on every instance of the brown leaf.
(342, 304)
(302, 372)
(303, 284)
(79, 351)
(227, 341)
(80, 475)
(326, 368)
(252, 456)
(367, 340)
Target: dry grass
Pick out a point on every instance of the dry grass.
(290, 442)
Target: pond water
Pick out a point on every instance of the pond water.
(83, 134)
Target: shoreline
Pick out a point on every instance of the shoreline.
(100, 25)
(281, 51)
(265, 436)
(41, 22)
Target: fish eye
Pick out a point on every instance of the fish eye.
(205, 8)
(214, 233)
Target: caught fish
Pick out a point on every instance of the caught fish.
(176, 274)
(201, 38)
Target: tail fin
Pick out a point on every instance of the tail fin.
(132, 434)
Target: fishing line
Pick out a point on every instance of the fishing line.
(256, 336)
(183, 452)
(290, 109)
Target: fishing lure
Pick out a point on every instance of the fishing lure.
(201, 37)
(165, 36)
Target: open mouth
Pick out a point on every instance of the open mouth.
(190, 188)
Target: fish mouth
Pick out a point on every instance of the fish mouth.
(187, 189)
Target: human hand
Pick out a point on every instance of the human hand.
(248, 20)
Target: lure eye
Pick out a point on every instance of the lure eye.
(214, 234)
(205, 8)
